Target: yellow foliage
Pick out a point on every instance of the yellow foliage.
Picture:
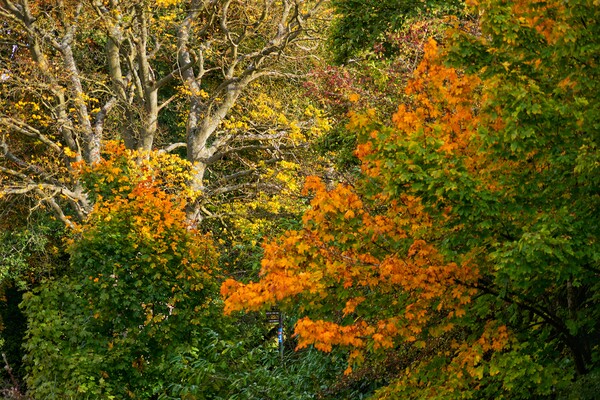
(167, 3)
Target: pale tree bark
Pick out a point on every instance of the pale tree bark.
(54, 81)
(236, 70)
(129, 67)
(214, 49)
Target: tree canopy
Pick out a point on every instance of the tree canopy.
(467, 253)
(427, 202)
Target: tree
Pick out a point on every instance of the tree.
(137, 294)
(467, 254)
(72, 82)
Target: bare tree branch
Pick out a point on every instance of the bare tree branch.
(27, 130)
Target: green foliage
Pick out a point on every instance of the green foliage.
(585, 388)
(29, 251)
(139, 285)
(241, 360)
(341, 144)
(532, 222)
(361, 24)
(543, 100)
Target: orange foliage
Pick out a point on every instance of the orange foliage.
(543, 16)
(442, 103)
(338, 247)
(443, 106)
(548, 18)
